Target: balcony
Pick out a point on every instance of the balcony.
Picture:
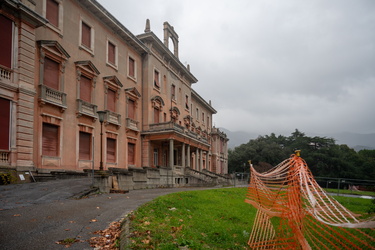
(85, 108)
(5, 73)
(113, 118)
(4, 157)
(52, 96)
(131, 124)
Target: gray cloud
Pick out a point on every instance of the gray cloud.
(273, 66)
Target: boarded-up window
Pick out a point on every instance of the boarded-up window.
(111, 100)
(4, 124)
(50, 141)
(6, 41)
(111, 150)
(131, 67)
(85, 89)
(131, 153)
(51, 73)
(86, 35)
(111, 53)
(131, 109)
(84, 146)
(156, 80)
(156, 115)
(52, 14)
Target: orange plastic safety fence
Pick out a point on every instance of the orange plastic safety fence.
(294, 212)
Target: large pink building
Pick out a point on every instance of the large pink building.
(63, 61)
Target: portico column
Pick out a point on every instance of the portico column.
(196, 159)
(183, 155)
(188, 156)
(200, 160)
(171, 160)
(207, 162)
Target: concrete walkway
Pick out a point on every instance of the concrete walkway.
(36, 215)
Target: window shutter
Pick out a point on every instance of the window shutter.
(111, 100)
(85, 89)
(51, 73)
(6, 41)
(131, 153)
(156, 79)
(111, 150)
(131, 67)
(50, 139)
(84, 146)
(4, 124)
(111, 53)
(86, 35)
(131, 109)
(52, 14)
(156, 115)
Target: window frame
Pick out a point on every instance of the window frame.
(132, 77)
(58, 136)
(59, 27)
(133, 155)
(156, 84)
(115, 63)
(83, 46)
(115, 149)
(89, 146)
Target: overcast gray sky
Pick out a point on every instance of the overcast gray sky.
(272, 65)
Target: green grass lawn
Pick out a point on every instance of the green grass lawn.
(209, 219)
(346, 191)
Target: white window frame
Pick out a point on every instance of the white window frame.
(92, 37)
(58, 29)
(115, 66)
(134, 78)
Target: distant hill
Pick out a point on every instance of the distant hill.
(353, 140)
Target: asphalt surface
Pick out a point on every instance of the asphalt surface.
(37, 215)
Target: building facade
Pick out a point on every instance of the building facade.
(63, 61)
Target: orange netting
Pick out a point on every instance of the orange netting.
(294, 212)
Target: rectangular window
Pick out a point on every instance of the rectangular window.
(131, 67)
(4, 124)
(85, 89)
(86, 35)
(187, 102)
(50, 140)
(111, 53)
(131, 153)
(111, 100)
(6, 34)
(208, 121)
(156, 79)
(202, 116)
(173, 92)
(131, 109)
(51, 73)
(165, 117)
(52, 12)
(156, 157)
(111, 150)
(156, 115)
(197, 114)
(84, 146)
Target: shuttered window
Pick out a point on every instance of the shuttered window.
(4, 124)
(156, 115)
(111, 100)
(50, 142)
(6, 34)
(51, 73)
(85, 89)
(131, 67)
(156, 79)
(52, 14)
(131, 153)
(111, 150)
(131, 109)
(86, 35)
(84, 146)
(111, 53)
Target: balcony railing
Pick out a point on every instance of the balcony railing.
(52, 96)
(131, 124)
(4, 157)
(113, 118)
(5, 73)
(86, 108)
